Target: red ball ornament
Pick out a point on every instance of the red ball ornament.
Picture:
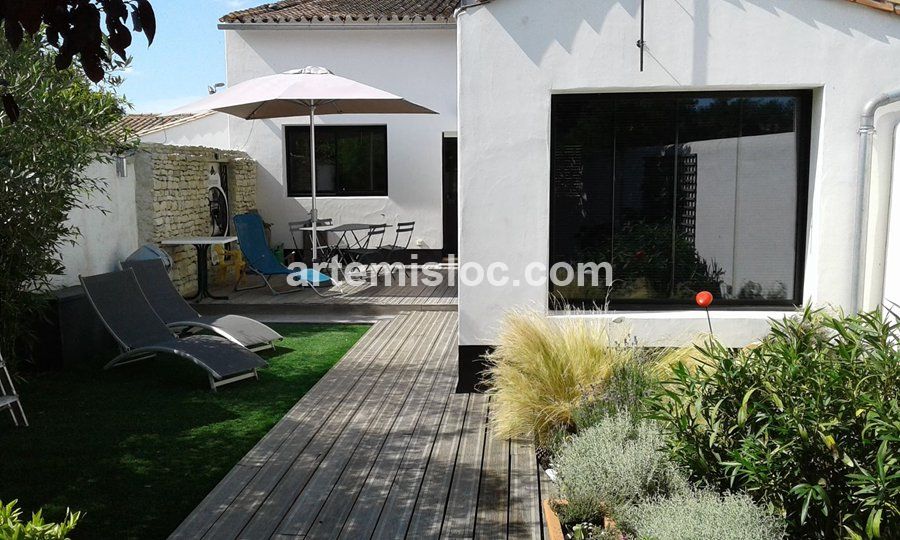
(704, 299)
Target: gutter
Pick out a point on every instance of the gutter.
(337, 25)
(466, 4)
(864, 168)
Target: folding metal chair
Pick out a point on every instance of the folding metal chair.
(369, 252)
(404, 231)
(322, 236)
(8, 397)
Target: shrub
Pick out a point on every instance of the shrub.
(12, 526)
(540, 369)
(702, 515)
(545, 371)
(614, 464)
(630, 381)
(63, 129)
(806, 422)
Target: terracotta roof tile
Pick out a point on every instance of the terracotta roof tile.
(892, 6)
(140, 123)
(353, 10)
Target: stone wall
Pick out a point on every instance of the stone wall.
(171, 198)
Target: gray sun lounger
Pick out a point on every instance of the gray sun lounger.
(177, 313)
(118, 300)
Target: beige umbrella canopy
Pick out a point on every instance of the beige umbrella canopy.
(310, 91)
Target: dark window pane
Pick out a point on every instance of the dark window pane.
(768, 115)
(298, 160)
(681, 193)
(583, 180)
(643, 232)
(350, 160)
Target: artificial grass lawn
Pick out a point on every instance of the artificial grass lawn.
(136, 448)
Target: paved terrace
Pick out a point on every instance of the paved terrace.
(381, 447)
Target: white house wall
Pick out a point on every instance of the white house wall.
(108, 226)
(419, 65)
(514, 54)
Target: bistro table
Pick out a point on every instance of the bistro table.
(341, 231)
(201, 244)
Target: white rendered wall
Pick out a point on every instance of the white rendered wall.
(209, 131)
(419, 65)
(106, 238)
(514, 54)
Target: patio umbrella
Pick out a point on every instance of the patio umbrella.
(310, 91)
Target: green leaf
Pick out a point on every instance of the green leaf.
(873, 524)
(742, 412)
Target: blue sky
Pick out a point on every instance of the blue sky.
(187, 55)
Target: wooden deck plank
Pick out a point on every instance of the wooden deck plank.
(547, 491)
(524, 497)
(275, 454)
(214, 504)
(380, 453)
(202, 519)
(402, 447)
(426, 444)
(357, 411)
(462, 503)
(358, 357)
(431, 499)
(493, 494)
(362, 437)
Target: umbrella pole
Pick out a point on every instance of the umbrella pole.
(312, 160)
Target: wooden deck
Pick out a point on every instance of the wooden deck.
(382, 294)
(381, 447)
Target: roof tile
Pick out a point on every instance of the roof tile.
(142, 124)
(343, 10)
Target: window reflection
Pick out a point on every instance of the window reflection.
(680, 193)
(350, 160)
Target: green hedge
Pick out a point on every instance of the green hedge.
(807, 422)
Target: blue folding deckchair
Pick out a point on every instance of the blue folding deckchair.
(262, 262)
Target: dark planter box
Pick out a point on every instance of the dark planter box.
(69, 332)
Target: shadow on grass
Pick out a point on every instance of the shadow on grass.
(138, 447)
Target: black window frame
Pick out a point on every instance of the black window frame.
(289, 132)
(804, 141)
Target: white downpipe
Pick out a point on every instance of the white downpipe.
(866, 136)
(313, 213)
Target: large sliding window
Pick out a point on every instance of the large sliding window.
(681, 192)
(350, 160)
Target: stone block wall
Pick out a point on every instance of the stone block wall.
(171, 197)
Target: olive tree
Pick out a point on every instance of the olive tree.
(42, 160)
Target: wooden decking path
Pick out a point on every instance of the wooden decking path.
(383, 294)
(381, 447)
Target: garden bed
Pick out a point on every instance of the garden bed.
(776, 440)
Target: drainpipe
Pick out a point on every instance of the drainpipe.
(866, 136)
